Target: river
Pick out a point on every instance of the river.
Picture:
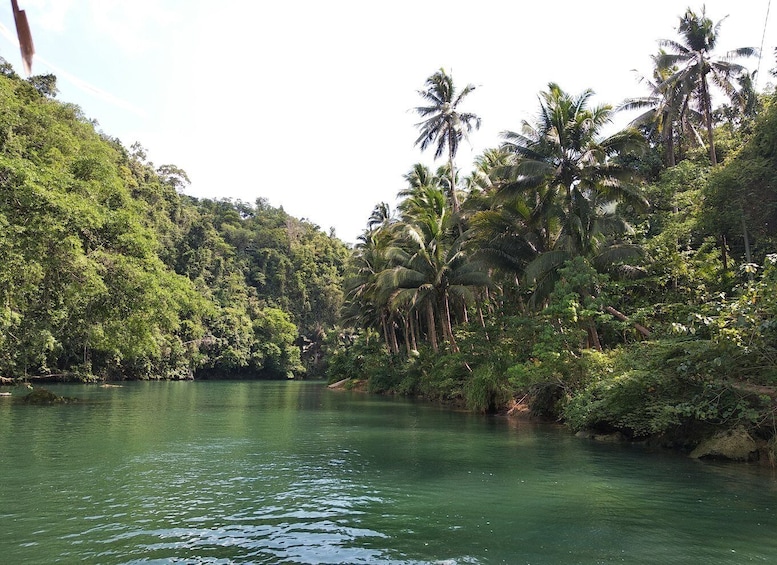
(290, 472)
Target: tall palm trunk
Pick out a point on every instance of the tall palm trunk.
(447, 326)
(413, 322)
(406, 332)
(671, 161)
(431, 329)
(481, 317)
(705, 96)
(454, 196)
(394, 342)
(384, 326)
(389, 335)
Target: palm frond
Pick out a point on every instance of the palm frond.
(619, 254)
(545, 264)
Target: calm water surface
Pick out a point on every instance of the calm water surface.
(290, 472)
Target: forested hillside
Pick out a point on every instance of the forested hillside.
(619, 281)
(108, 270)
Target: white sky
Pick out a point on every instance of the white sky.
(309, 103)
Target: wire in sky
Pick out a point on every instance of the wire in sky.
(761, 50)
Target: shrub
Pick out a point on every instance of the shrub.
(488, 389)
(442, 378)
(661, 387)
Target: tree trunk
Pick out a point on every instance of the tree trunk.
(481, 317)
(669, 139)
(705, 94)
(413, 328)
(407, 335)
(593, 336)
(384, 326)
(431, 330)
(446, 323)
(640, 328)
(389, 336)
(394, 342)
(724, 251)
(454, 196)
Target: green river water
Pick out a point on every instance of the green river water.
(290, 472)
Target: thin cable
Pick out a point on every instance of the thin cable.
(761, 50)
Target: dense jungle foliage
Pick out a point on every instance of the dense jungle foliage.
(621, 282)
(107, 270)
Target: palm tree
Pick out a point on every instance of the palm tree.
(419, 176)
(484, 181)
(564, 182)
(696, 67)
(381, 216)
(569, 171)
(444, 125)
(502, 233)
(366, 305)
(485, 176)
(431, 275)
(666, 110)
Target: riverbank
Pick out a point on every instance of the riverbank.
(696, 439)
(735, 442)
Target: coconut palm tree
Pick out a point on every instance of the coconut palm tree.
(443, 123)
(666, 112)
(432, 276)
(568, 182)
(697, 69)
(366, 305)
(501, 232)
(381, 216)
(485, 176)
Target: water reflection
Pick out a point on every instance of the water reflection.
(236, 472)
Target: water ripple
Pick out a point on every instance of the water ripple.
(228, 473)
(285, 510)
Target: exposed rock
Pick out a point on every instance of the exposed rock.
(43, 396)
(735, 444)
(767, 452)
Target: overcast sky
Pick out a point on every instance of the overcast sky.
(309, 103)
